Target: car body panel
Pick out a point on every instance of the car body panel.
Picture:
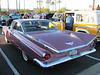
(58, 40)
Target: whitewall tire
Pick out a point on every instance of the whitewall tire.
(24, 56)
(6, 40)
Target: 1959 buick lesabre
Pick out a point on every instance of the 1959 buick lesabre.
(44, 43)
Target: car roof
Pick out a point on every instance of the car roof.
(23, 20)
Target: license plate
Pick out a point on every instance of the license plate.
(73, 52)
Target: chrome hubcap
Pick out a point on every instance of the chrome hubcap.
(24, 56)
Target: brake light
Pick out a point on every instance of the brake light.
(46, 56)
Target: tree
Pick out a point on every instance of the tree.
(3, 12)
(52, 3)
(59, 4)
(68, 9)
(55, 5)
(76, 10)
(63, 9)
(98, 7)
(19, 5)
(37, 3)
(52, 11)
(24, 11)
(8, 5)
(93, 4)
(42, 10)
(0, 6)
(16, 6)
(40, 5)
(21, 11)
(45, 10)
(58, 11)
(48, 3)
(37, 11)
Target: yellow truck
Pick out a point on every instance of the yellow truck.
(59, 24)
(86, 21)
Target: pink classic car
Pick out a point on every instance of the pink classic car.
(44, 43)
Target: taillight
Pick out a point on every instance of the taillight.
(46, 56)
(93, 44)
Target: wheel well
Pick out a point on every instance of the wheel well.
(81, 31)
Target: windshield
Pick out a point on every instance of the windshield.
(38, 25)
(57, 15)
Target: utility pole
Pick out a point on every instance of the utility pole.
(0, 6)
(37, 3)
(16, 6)
(19, 5)
(93, 4)
(40, 5)
(8, 5)
(55, 5)
(24, 5)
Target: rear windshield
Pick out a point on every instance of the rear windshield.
(38, 25)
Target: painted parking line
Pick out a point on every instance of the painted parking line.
(9, 63)
(92, 57)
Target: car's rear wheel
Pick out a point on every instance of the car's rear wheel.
(24, 56)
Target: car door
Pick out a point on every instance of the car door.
(16, 34)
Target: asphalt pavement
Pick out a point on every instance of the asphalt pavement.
(16, 65)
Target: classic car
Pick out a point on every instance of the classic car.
(57, 16)
(4, 20)
(43, 42)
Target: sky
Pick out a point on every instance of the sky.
(69, 4)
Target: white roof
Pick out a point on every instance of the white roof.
(91, 11)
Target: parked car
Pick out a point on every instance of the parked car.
(56, 21)
(42, 41)
(4, 20)
(15, 16)
(37, 16)
(57, 16)
(85, 21)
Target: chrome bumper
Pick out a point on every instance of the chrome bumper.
(63, 59)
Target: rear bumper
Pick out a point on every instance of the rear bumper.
(63, 59)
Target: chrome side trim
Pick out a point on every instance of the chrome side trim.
(63, 59)
(24, 42)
